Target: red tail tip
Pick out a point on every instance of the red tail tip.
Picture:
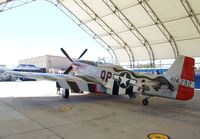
(186, 86)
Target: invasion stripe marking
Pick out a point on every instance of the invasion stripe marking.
(73, 86)
(129, 90)
(115, 90)
(92, 87)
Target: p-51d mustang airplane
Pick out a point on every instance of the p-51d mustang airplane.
(98, 77)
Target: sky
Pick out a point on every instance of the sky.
(39, 28)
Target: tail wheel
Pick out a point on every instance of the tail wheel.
(65, 93)
(145, 102)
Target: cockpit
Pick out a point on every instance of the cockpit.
(105, 61)
(88, 62)
(100, 62)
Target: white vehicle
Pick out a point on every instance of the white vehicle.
(27, 68)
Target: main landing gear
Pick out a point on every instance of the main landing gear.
(62, 91)
(65, 93)
(145, 101)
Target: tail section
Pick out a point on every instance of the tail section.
(181, 76)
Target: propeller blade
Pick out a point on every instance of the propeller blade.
(68, 70)
(65, 53)
(83, 53)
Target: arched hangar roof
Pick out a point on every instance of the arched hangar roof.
(135, 30)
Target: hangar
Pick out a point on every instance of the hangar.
(135, 30)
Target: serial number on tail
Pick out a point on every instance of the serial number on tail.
(187, 83)
(183, 82)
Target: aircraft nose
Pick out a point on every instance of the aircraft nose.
(76, 64)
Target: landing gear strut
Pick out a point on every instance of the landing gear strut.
(145, 101)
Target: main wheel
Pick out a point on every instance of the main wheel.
(145, 102)
(65, 93)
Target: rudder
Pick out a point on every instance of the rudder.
(181, 76)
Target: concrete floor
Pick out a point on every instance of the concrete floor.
(32, 110)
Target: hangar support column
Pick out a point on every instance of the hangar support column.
(191, 14)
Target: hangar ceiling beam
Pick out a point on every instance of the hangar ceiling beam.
(107, 29)
(95, 36)
(132, 28)
(191, 14)
(10, 4)
(160, 25)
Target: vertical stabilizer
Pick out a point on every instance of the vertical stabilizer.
(181, 76)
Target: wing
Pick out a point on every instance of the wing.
(75, 82)
(35, 75)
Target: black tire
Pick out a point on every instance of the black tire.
(145, 102)
(65, 93)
